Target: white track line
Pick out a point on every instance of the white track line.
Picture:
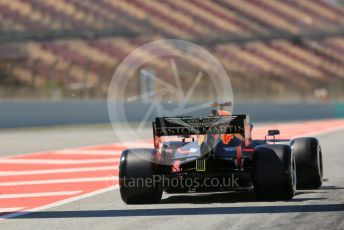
(88, 152)
(58, 203)
(57, 162)
(54, 171)
(321, 132)
(38, 194)
(136, 144)
(133, 144)
(3, 210)
(109, 179)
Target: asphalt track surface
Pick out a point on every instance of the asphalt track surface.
(34, 196)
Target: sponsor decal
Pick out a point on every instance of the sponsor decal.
(199, 130)
(211, 121)
(230, 149)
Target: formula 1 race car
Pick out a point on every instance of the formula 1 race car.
(216, 153)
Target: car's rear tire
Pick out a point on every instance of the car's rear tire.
(138, 177)
(309, 162)
(274, 172)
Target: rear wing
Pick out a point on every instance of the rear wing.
(227, 124)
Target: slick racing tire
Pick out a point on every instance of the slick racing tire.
(309, 163)
(138, 177)
(274, 172)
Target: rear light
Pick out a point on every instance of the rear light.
(156, 142)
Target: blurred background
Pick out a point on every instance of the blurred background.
(289, 52)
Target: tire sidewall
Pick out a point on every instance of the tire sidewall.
(274, 174)
(308, 155)
(137, 165)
